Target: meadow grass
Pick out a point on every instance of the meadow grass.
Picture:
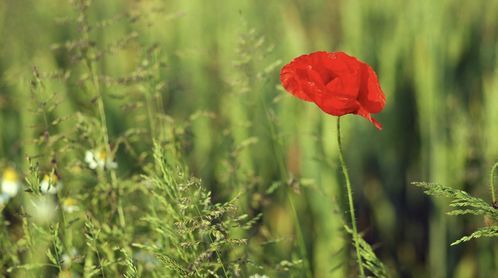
(218, 171)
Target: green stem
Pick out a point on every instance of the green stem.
(105, 134)
(301, 242)
(278, 152)
(492, 182)
(101, 110)
(350, 199)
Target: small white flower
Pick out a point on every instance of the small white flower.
(258, 276)
(70, 205)
(67, 258)
(50, 184)
(42, 208)
(99, 159)
(10, 182)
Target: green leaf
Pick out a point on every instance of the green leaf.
(491, 231)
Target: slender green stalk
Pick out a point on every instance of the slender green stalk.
(105, 134)
(101, 109)
(350, 199)
(150, 113)
(492, 182)
(301, 242)
(285, 174)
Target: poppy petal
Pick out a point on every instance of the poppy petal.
(365, 114)
(371, 95)
(337, 106)
(292, 84)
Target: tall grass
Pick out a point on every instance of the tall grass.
(173, 90)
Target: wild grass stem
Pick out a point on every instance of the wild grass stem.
(492, 183)
(285, 174)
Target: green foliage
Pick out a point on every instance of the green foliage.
(461, 201)
(189, 235)
(464, 204)
(481, 232)
(200, 78)
(370, 261)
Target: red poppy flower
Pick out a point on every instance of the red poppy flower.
(337, 83)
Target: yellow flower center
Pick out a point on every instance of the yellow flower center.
(10, 174)
(51, 179)
(102, 155)
(69, 202)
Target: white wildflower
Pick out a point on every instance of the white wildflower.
(70, 205)
(67, 258)
(50, 184)
(10, 182)
(99, 159)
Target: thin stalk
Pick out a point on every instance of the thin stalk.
(149, 94)
(101, 109)
(150, 113)
(492, 182)
(350, 199)
(105, 134)
(278, 152)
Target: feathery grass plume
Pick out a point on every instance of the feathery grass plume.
(461, 201)
(189, 235)
(370, 260)
(131, 271)
(491, 231)
(464, 204)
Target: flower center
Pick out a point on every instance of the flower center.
(51, 179)
(9, 174)
(69, 202)
(102, 155)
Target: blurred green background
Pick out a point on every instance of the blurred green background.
(437, 62)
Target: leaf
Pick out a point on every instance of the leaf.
(462, 201)
(370, 260)
(482, 232)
